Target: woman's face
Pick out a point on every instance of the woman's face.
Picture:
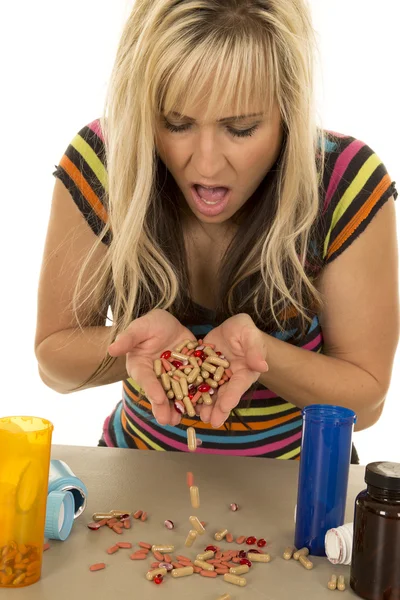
(234, 155)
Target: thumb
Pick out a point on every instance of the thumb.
(127, 340)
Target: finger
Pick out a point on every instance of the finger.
(162, 413)
(145, 376)
(254, 350)
(136, 333)
(205, 413)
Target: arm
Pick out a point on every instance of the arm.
(67, 355)
(360, 323)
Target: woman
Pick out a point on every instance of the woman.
(207, 202)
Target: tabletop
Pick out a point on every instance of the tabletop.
(129, 480)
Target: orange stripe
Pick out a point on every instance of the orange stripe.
(84, 187)
(139, 443)
(362, 214)
(187, 422)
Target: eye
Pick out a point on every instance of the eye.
(234, 132)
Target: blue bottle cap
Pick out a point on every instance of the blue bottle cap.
(60, 512)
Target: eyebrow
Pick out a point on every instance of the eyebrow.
(238, 118)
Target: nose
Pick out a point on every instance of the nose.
(208, 157)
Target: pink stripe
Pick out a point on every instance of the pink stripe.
(106, 435)
(311, 345)
(95, 126)
(340, 167)
(260, 395)
(183, 447)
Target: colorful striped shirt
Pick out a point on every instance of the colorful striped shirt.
(355, 185)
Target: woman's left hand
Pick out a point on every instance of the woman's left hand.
(243, 345)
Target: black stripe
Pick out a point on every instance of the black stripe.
(83, 167)
(95, 142)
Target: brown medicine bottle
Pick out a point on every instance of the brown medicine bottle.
(375, 564)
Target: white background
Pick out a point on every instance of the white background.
(56, 59)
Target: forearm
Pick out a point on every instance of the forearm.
(68, 358)
(303, 377)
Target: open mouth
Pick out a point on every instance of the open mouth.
(210, 201)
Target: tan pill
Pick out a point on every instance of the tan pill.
(341, 586)
(206, 398)
(181, 357)
(190, 346)
(209, 351)
(191, 439)
(170, 395)
(176, 388)
(180, 374)
(189, 406)
(193, 375)
(305, 562)
(157, 367)
(332, 583)
(208, 367)
(220, 535)
(181, 346)
(212, 383)
(204, 565)
(219, 362)
(224, 597)
(191, 536)
(184, 385)
(194, 496)
(151, 574)
(241, 570)
(193, 362)
(205, 555)
(205, 374)
(165, 549)
(187, 370)
(182, 572)
(235, 579)
(166, 381)
(195, 523)
(265, 558)
(199, 380)
(218, 374)
(301, 552)
(288, 553)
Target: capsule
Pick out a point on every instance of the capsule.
(204, 374)
(218, 361)
(182, 572)
(206, 398)
(288, 553)
(191, 439)
(219, 372)
(188, 405)
(184, 385)
(191, 345)
(187, 370)
(193, 375)
(341, 586)
(167, 548)
(301, 552)
(305, 562)
(204, 565)
(194, 521)
(332, 583)
(191, 536)
(240, 570)
(212, 383)
(157, 367)
(220, 535)
(151, 574)
(166, 381)
(176, 388)
(199, 380)
(101, 516)
(205, 555)
(266, 558)
(235, 579)
(209, 367)
(181, 346)
(170, 395)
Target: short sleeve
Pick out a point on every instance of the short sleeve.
(356, 186)
(82, 169)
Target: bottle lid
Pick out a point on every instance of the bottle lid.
(384, 475)
(60, 511)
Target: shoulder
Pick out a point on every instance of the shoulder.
(355, 185)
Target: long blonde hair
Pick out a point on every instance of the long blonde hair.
(261, 50)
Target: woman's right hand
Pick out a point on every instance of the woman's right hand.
(142, 342)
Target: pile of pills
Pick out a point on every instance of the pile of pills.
(20, 563)
(337, 583)
(190, 375)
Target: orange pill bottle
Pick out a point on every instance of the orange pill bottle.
(25, 444)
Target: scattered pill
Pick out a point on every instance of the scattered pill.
(234, 507)
(154, 572)
(112, 549)
(127, 524)
(288, 553)
(243, 561)
(192, 535)
(145, 545)
(261, 543)
(240, 570)
(204, 565)
(235, 579)
(304, 561)
(229, 538)
(332, 583)
(301, 552)
(117, 528)
(194, 496)
(137, 514)
(144, 516)
(255, 557)
(138, 556)
(169, 524)
(162, 548)
(97, 567)
(94, 525)
(213, 548)
(182, 572)
(101, 516)
(220, 535)
(205, 573)
(240, 539)
(195, 523)
(158, 556)
(191, 439)
(189, 479)
(341, 586)
(158, 579)
(46, 546)
(164, 565)
(124, 545)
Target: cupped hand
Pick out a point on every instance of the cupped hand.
(244, 346)
(142, 342)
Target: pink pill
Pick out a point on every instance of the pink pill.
(240, 539)
(208, 573)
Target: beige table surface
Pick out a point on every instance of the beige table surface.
(156, 482)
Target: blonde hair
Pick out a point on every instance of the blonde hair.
(261, 50)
